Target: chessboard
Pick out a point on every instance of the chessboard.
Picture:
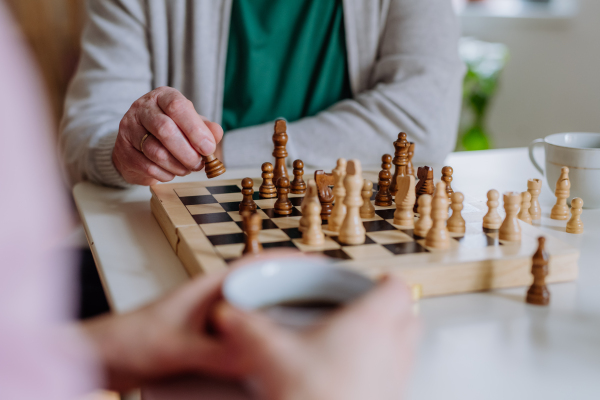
(201, 221)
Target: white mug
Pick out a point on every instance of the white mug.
(578, 151)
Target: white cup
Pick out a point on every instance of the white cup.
(578, 151)
(267, 283)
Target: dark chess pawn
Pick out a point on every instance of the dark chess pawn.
(267, 189)
(213, 166)
(538, 292)
(252, 224)
(298, 186)
(384, 197)
(247, 204)
(283, 205)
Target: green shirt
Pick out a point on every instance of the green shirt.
(285, 59)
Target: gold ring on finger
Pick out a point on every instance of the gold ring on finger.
(142, 142)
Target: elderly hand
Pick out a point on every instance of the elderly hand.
(178, 138)
(364, 351)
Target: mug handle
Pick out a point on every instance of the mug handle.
(532, 146)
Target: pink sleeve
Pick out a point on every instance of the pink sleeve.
(36, 276)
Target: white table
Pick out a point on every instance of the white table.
(475, 346)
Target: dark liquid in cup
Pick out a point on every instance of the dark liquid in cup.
(301, 313)
(308, 305)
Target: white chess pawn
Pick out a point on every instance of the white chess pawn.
(353, 231)
(492, 219)
(438, 236)
(313, 234)
(575, 225)
(560, 210)
(339, 208)
(510, 230)
(311, 195)
(525, 206)
(456, 222)
(423, 224)
(405, 201)
(367, 210)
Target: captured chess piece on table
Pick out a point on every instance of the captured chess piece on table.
(267, 189)
(538, 292)
(510, 230)
(247, 203)
(575, 225)
(560, 211)
(213, 167)
(298, 186)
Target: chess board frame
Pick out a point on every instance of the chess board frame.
(182, 211)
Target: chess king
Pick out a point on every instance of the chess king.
(200, 96)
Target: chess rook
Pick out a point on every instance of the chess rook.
(313, 234)
(438, 236)
(400, 160)
(298, 186)
(424, 223)
(267, 189)
(367, 210)
(538, 292)
(425, 185)
(405, 201)
(456, 222)
(283, 205)
(560, 211)
(492, 220)
(310, 196)
(252, 223)
(510, 230)
(352, 231)
(326, 196)
(213, 167)
(575, 225)
(534, 187)
(247, 204)
(525, 205)
(280, 139)
(447, 178)
(384, 197)
(339, 209)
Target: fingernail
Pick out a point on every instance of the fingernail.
(207, 147)
(199, 166)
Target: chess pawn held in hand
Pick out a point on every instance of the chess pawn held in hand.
(438, 236)
(213, 166)
(298, 186)
(538, 292)
(510, 230)
(575, 225)
(352, 231)
(492, 220)
(336, 219)
(560, 211)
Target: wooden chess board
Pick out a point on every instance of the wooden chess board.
(202, 223)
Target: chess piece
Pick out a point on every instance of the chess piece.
(510, 230)
(425, 185)
(492, 220)
(313, 234)
(367, 210)
(326, 197)
(534, 187)
(298, 186)
(283, 205)
(384, 197)
(423, 224)
(267, 189)
(352, 231)
(213, 167)
(339, 208)
(560, 210)
(575, 225)
(310, 196)
(386, 162)
(405, 201)
(438, 236)
(247, 204)
(280, 139)
(252, 223)
(400, 160)
(538, 292)
(525, 205)
(447, 178)
(456, 222)
(410, 170)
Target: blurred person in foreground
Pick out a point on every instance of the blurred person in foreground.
(361, 352)
(211, 76)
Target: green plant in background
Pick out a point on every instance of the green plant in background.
(485, 62)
